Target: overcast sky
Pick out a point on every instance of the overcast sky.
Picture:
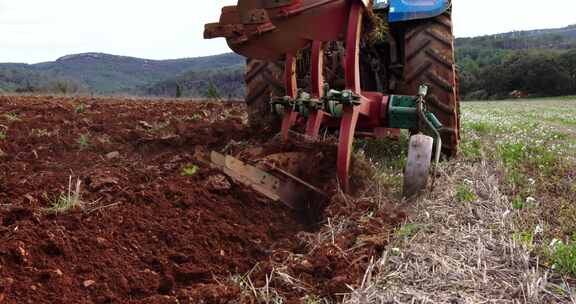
(42, 30)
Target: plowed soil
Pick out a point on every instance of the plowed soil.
(146, 231)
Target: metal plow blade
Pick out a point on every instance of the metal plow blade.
(282, 186)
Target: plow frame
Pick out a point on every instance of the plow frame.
(279, 29)
(368, 111)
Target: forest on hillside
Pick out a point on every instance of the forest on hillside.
(224, 83)
(536, 63)
(495, 74)
(531, 63)
(104, 74)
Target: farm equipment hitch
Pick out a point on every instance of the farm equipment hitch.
(404, 112)
(399, 112)
(431, 121)
(303, 104)
(332, 102)
(335, 101)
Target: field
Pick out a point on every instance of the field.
(112, 201)
(499, 225)
(150, 222)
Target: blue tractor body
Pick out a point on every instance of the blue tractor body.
(406, 10)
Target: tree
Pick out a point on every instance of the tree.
(178, 90)
(212, 92)
(61, 86)
(538, 73)
(568, 61)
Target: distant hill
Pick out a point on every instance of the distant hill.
(560, 38)
(109, 74)
(106, 74)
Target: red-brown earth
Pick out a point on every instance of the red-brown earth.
(146, 232)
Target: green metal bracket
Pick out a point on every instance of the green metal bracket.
(406, 112)
(307, 104)
(303, 104)
(278, 105)
(402, 113)
(334, 101)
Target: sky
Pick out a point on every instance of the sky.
(33, 31)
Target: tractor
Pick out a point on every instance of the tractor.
(356, 68)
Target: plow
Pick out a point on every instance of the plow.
(314, 67)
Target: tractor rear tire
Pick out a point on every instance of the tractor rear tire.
(429, 59)
(263, 81)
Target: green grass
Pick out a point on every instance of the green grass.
(471, 148)
(527, 136)
(524, 238)
(408, 230)
(465, 193)
(518, 203)
(563, 258)
(265, 294)
(12, 116)
(83, 141)
(193, 117)
(481, 127)
(80, 108)
(513, 181)
(3, 135)
(534, 144)
(189, 170)
(386, 154)
(66, 202)
(569, 98)
(388, 157)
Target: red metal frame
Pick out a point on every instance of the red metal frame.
(291, 84)
(291, 21)
(369, 115)
(317, 69)
(352, 65)
(317, 64)
(351, 113)
(272, 30)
